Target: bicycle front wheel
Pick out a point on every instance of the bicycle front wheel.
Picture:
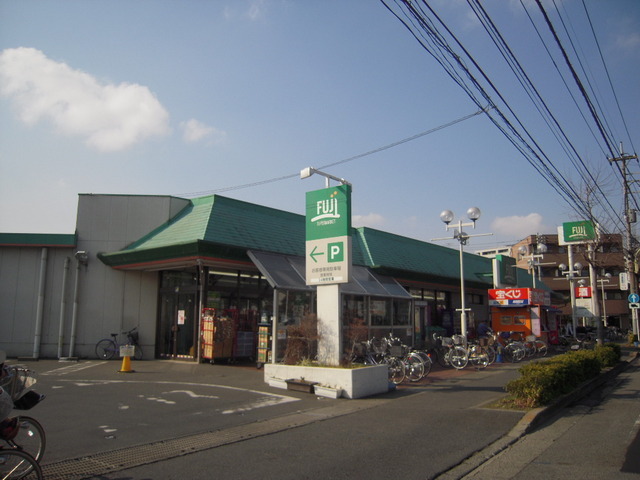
(459, 357)
(16, 464)
(396, 371)
(414, 367)
(30, 438)
(542, 348)
(443, 357)
(105, 349)
(426, 359)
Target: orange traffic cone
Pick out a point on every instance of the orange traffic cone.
(126, 365)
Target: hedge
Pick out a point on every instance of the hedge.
(542, 382)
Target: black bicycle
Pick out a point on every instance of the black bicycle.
(107, 348)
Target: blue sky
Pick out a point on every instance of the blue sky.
(195, 97)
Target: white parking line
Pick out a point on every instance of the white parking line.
(70, 368)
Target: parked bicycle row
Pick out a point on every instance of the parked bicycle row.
(406, 363)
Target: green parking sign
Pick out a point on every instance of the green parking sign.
(335, 252)
(328, 235)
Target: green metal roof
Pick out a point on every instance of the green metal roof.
(225, 228)
(414, 259)
(37, 240)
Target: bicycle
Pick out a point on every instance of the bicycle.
(26, 435)
(513, 350)
(413, 362)
(374, 352)
(107, 348)
(479, 353)
(534, 346)
(17, 464)
(451, 352)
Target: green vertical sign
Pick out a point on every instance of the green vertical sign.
(328, 213)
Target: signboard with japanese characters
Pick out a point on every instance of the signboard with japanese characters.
(583, 292)
(518, 297)
(328, 235)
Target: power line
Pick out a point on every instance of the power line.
(339, 162)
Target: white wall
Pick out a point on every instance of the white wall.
(109, 300)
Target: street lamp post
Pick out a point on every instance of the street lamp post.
(462, 237)
(572, 274)
(533, 259)
(602, 281)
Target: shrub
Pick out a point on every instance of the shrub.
(542, 382)
(302, 341)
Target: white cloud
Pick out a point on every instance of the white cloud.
(373, 220)
(520, 226)
(195, 131)
(256, 10)
(108, 117)
(630, 41)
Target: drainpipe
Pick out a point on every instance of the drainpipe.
(63, 305)
(39, 309)
(82, 258)
(74, 314)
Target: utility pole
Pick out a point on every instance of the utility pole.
(628, 250)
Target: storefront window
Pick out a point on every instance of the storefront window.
(293, 306)
(380, 311)
(401, 312)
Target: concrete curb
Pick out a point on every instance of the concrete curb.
(532, 420)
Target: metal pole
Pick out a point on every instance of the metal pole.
(604, 304)
(463, 312)
(594, 294)
(633, 283)
(572, 289)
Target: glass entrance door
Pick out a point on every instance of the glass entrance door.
(178, 322)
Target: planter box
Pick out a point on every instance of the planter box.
(354, 382)
(327, 392)
(277, 383)
(299, 385)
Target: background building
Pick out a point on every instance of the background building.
(609, 259)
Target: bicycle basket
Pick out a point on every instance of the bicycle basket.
(396, 351)
(17, 381)
(458, 339)
(531, 338)
(133, 337)
(379, 345)
(447, 341)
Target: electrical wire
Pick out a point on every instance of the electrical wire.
(417, 18)
(340, 162)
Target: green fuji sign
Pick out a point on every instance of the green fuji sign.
(328, 212)
(576, 232)
(328, 235)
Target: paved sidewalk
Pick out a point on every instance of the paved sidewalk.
(568, 439)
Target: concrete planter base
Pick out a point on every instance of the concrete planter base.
(327, 392)
(354, 382)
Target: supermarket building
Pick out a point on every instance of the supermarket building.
(157, 262)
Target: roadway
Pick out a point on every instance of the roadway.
(181, 420)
